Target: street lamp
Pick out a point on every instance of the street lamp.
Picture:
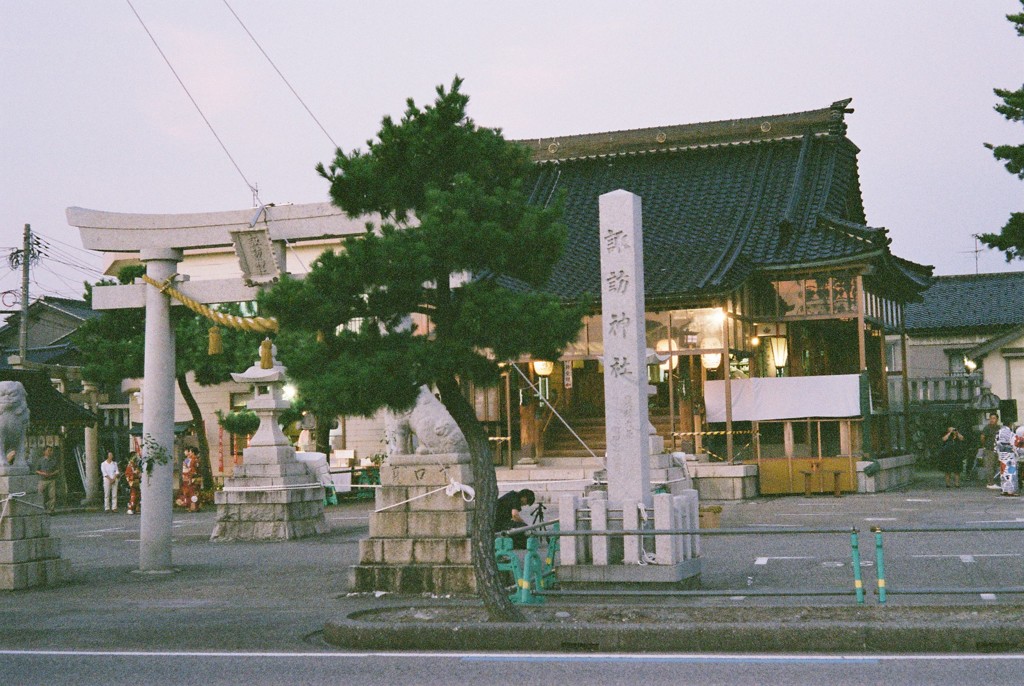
(543, 369)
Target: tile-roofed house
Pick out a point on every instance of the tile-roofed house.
(970, 326)
(51, 321)
(761, 219)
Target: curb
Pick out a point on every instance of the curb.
(705, 630)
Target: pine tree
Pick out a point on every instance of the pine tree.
(1011, 239)
(457, 241)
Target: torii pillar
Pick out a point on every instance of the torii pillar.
(158, 413)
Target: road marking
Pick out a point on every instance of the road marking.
(919, 500)
(625, 657)
(880, 519)
(970, 557)
(778, 526)
(764, 560)
(101, 531)
(737, 597)
(988, 596)
(1018, 520)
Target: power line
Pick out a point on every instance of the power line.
(294, 92)
(194, 103)
(66, 244)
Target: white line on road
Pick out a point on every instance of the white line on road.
(593, 657)
(764, 560)
(880, 519)
(971, 556)
(988, 596)
(1018, 520)
(101, 531)
(919, 500)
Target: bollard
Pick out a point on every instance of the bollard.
(532, 575)
(879, 564)
(858, 583)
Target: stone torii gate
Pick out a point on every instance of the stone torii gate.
(161, 241)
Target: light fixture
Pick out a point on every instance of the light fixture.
(543, 367)
(970, 365)
(780, 353)
(289, 392)
(755, 341)
(711, 360)
(667, 345)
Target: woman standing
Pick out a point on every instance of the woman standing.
(132, 474)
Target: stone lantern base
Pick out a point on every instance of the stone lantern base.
(269, 499)
(28, 555)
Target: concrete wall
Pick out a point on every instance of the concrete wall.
(926, 355)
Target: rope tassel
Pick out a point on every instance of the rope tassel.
(216, 343)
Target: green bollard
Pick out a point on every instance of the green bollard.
(532, 572)
(858, 582)
(879, 565)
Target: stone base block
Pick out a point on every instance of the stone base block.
(255, 515)
(686, 573)
(414, 579)
(406, 551)
(33, 525)
(19, 575)
(29, 550)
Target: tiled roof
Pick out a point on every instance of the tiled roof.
(970, 301)
(720, 201)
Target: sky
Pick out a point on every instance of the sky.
(91, 115)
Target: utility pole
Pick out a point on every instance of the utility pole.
(26, 254)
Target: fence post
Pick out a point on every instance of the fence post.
(858, 583)
(879, 564)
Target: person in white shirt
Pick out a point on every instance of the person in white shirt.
(110, 475)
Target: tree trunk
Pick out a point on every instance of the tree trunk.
(205, 470)
(322, 436)
(485, 566)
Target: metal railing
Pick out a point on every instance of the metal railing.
(884, 590)
(535, 580)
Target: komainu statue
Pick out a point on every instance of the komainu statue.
(13, 426)
(435, 430)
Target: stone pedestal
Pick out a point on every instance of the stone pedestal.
(271, 496)
(28, 555)
(420, 545)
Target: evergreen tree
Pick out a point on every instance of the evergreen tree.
(455, 240)
(1011, 239)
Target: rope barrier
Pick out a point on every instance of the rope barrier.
(254, 324)
(452, 489)
(680, 434)
(246, 489)
(18, 497)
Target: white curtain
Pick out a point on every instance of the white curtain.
(793, 397)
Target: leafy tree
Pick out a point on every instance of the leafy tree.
(456, 241)
(113, 348)
(1011, 239)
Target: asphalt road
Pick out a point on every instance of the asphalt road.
(372, 669)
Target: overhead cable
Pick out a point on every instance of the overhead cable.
(294, 92)
(194, 103)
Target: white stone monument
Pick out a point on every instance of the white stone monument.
(271, 495)
(629, 504)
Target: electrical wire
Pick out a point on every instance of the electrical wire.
(223, 147)
(294, 92)
(66, 244)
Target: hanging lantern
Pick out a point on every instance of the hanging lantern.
(216, 343)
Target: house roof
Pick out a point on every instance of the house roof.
(75, 309)
(65, 354)
(996, 342)
(721, 201)
(46, 405)
(970, 302)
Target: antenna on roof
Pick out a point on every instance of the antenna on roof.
(977, 251)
